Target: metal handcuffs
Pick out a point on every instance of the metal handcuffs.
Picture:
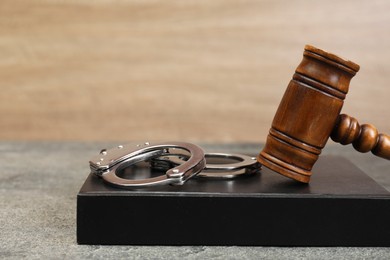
(180, 160)
(244, 165)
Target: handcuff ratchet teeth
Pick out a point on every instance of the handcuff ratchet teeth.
(108, 162)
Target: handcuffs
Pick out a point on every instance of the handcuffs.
(180, 161)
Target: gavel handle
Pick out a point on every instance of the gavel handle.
(364, 138)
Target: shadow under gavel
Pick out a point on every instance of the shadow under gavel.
(309, 114)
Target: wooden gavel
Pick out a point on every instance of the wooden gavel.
(310, 112)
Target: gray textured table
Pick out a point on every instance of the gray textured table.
(39, 182)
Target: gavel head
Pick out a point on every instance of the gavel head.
(307, 113)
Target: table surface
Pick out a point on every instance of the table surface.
(39, 182)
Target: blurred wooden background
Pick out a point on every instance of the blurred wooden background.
(211, 71)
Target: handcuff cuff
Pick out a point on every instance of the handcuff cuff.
(181, 161)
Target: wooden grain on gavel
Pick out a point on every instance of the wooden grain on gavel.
(309, 113)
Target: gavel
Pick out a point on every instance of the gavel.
(309, 114)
